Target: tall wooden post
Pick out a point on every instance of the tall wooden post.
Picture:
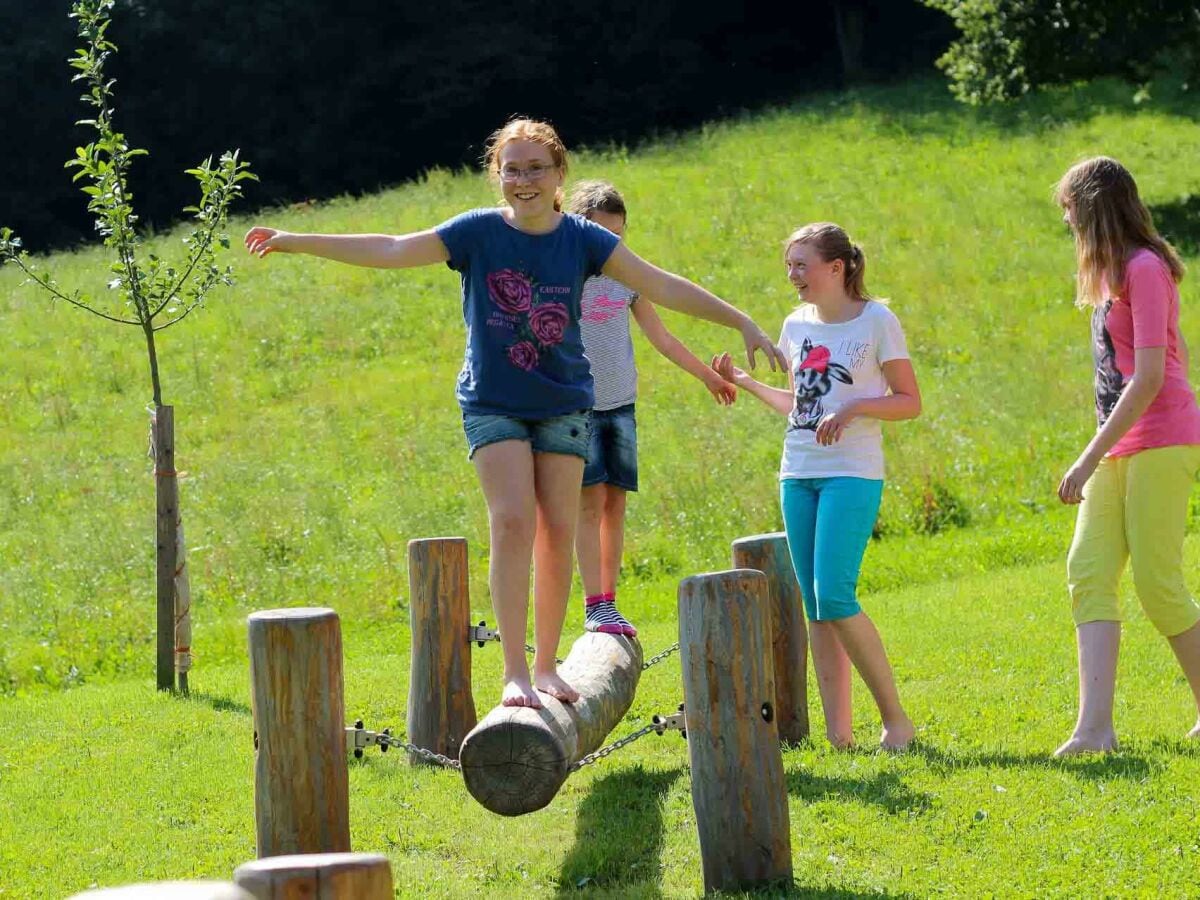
(738, 789)
(768, 553)
(301, 783)
(441, 709)
(167, 497)
(169, 890)
(319, 876)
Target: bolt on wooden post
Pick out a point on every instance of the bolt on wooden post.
(301, 782)
(768, 553)
(738, 788)
(441, 708)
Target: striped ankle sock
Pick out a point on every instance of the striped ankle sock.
(601, 615)
(627, 628)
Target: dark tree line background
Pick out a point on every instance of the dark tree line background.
(327, 97)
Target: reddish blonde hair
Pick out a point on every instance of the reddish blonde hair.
(522, 129)
(1110, 223)
(831, 242)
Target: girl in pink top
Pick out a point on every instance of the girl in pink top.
(1133, 479)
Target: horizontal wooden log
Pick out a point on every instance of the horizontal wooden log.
(318, 876)
(301, 781)
(516, 759)
(169, 890)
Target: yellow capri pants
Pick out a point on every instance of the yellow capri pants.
(1135, 508)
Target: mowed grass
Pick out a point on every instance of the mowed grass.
(316, 422)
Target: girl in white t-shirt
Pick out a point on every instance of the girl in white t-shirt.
(849, 369)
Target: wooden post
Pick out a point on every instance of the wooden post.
(738, 789)
(169, 890)
(441, 709)
(318, 876)
(768, 553)
(517, 758)
(301, 784)
(167, 497)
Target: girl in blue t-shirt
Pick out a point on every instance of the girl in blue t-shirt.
(525, 387)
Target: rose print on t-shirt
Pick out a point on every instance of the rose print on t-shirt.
(1109, 380)
(814, 379)
(510, 290)
(530, 322)
(523, 355)
(548, 321)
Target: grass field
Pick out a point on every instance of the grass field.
(316, 421)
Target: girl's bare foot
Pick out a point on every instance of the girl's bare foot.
(519, 692)
(897, 735)
(1194, 734)
(1082, 742)
(550, 683)
(841, 741)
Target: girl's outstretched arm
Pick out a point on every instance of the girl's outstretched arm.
(776, 398)
(679, 294)
(674, 349)
(382, 251)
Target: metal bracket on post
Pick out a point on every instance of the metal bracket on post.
(358, 738)
(674, 722)
(481, 634)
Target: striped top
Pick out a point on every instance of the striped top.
(607, 344)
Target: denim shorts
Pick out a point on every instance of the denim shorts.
(562, 434)
(612, 451)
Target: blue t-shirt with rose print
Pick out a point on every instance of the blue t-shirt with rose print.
(521, 304)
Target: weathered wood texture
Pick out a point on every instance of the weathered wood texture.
(167, 497)
(169, 890)
(441, 708)
(516, 759)
(738, 789)
(768, 553)
(301, 785)
(318, 876)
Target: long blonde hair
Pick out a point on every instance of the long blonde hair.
(831, 242)
(522, 129)
(1110, 222)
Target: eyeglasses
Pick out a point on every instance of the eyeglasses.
(535, 172)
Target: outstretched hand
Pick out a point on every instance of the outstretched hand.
(723, 365)
(723, 391)
(261, 240)
(756, 339)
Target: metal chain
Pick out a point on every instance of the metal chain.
(613, 747)
(655, 660)
(429, 755)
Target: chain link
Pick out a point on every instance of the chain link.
(428, 755)
(655, 660)
(613, 747)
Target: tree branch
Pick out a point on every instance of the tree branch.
(49, 288)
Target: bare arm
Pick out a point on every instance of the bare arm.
(776, 398)
(902, 401)
(384, 251)
(674, 349)
(1149, 371)
(681, 295)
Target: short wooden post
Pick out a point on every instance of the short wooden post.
(441, 709)
(318, 876)
(301, 784)
(169, 890)
(738, 789)
(768, 553)
(167, 498)
(516, 759)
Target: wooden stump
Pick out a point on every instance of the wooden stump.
(169, 890)
(768, 553)
(441, 709)
(318, 876)
(301, 785)
(516, 759)
(738, 789)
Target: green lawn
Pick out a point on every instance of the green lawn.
(316, 422)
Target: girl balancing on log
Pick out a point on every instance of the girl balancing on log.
(1133, 480)
(612, 464)
(849, 368)
(525, 387)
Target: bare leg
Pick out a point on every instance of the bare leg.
(1187, 651)
(506, 474)
(612, 538)
(588, 538)
(832, 667)
(861, 640)
(557, 481)
(1099, 645)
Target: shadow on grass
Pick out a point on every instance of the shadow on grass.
(220, 704)
(819, 893)
(619, 835)
(1179, 223)
(885, 790)
(1109, 767)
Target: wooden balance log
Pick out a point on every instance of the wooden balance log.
(516, 759)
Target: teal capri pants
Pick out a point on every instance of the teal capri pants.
(828, 523)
